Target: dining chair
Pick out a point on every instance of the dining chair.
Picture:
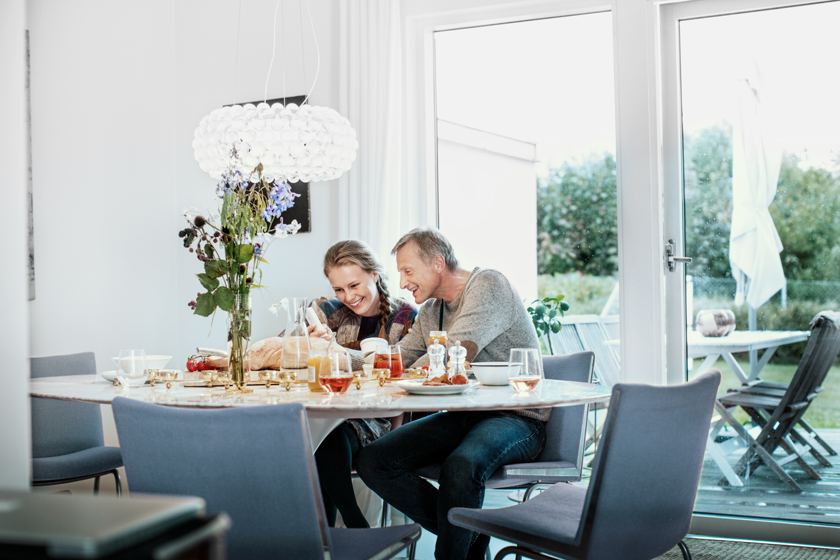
(67, 440)
(777, 410)
(565, 433)
(256, 465)
(641, 492)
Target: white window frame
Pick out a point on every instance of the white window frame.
(649, 176)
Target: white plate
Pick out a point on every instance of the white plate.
(416, 387)
(111, 375)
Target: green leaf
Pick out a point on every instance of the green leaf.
(205, 305)
(224, 298)
(209, 284)
(262, 260)
(215, 268)
(208, 249)
(243, 253)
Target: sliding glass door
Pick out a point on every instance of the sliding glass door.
(752, 171)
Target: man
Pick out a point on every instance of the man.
(484, 312)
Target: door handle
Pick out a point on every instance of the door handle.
(672, 260)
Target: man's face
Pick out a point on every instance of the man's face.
(419, 278)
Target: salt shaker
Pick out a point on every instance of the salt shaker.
(457, 355)
(437, 352)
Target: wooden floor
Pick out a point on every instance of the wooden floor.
(765, 495)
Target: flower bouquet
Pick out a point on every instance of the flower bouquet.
(231, 245)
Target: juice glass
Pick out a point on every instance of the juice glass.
(389, 359)
(525, 369)
(440, 336)
(337, 377)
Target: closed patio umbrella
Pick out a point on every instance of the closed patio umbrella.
(754, 243)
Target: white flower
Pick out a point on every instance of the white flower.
(275, 308)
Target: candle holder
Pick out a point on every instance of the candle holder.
(382, 374)
(287, 378)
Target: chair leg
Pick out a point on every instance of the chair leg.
(96, 485)
(117, 482)
(412, 550)
(383, 520)
(684, 549)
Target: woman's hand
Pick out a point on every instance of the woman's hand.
(320, 331)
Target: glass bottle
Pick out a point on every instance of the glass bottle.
(296, 338)
(239, 341)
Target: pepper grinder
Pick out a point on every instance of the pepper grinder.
(457, 355)
(437, 352)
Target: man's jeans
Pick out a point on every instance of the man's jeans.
(471, 446)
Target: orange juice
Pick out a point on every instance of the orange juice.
(316, 365)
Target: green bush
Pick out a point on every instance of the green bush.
(585, 294)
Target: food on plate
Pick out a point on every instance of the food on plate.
(457, 379)
(268, 354)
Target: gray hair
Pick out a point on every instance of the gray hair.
(429, 242)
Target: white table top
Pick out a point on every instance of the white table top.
(369, 402)
(740, 341)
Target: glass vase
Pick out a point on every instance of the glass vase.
(239, 342)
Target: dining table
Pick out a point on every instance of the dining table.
(325, 411)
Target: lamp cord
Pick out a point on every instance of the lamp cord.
(236, 60)
(317, 51)
(273, 51)
(302, 50)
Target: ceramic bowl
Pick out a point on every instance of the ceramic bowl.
(493, 373)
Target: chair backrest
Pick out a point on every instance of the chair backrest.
(254, 463)
(565, 427)
(820, 353)
(647, 469)
(586, 332)
(63, 427)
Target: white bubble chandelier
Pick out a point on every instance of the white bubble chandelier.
(293, 143)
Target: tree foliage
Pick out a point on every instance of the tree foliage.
(576, 219)
(577, 229)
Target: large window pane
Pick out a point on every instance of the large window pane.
(760, 112)
(526, 144)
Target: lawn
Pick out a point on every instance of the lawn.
(824, 412)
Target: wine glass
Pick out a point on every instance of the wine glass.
(525, 369)
(339, 375)
(132, 371)
(389, 357)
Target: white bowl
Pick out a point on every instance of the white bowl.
(493, 373)
(369, 345)
(152, 362)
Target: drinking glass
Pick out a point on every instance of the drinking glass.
(390, 358)
(525, 369)
(440, 336)
(339, 375)
(132, 371)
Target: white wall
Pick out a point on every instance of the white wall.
(118, 89)
(14, 321)
(488, 202)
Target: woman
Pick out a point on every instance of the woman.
(363, 309)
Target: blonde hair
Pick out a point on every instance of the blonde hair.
(359, 253)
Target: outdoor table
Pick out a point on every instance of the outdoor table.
(713, 348)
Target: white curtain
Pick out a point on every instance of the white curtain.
(371, 97)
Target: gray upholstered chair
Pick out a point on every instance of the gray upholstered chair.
(256, 465)
(641, 493)
(67, 440)
(562, 457)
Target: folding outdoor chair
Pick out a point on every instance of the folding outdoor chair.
(778, 415)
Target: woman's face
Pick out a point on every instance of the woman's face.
(356, 289)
